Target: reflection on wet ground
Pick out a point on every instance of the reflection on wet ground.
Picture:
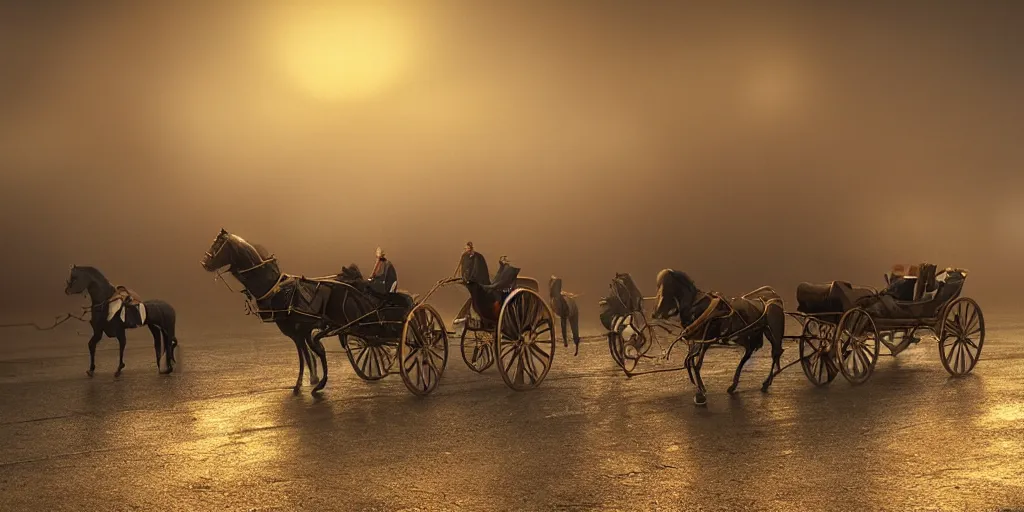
(226, 433)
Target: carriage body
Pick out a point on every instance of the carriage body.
(505, 320)
(844, 325)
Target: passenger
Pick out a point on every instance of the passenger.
(384, 278)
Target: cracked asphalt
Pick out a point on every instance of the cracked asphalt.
(225, 432)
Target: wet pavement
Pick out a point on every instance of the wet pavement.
(226, 433)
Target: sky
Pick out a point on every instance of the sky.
(746, 143)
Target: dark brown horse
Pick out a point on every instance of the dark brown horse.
(259, 274)
(564, 306)
(708, 318)
(115, 309)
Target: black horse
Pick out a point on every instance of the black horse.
(298, 305)
(707, 318)
(115, 309)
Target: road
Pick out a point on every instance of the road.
(225, 432)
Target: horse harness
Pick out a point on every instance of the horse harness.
(714, 312)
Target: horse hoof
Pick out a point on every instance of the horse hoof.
(700, 400)
(296, 390)
(89, 373)
(764, 388)
(117, 375)
(731, 390)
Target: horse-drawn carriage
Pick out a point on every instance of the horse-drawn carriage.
(845, 325)
(842, 326)
(373, 325)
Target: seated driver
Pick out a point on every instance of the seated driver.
(384, 278)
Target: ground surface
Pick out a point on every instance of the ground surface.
(226, 433)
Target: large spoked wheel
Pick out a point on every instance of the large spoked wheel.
(371, 360)
(525, 340)
(961, 337)
(477, 349)
(856, 346)
(423, 351)
(816, 356)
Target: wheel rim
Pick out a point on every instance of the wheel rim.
(423, 351)
(477, 349)
(962, 336)
(370, 360)
(856, 346)
(525, 340)
(816, 354)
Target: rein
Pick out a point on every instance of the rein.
(57, 321)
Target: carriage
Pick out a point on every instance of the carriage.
(504, 320)
(843, 326)
(387, 320)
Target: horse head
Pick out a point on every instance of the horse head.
(77, 282)
(676, 294)
(222, 252)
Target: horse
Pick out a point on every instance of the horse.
(564, 305)
(116, 309)
(744, 321)
(297, 305)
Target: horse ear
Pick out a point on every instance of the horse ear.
(223, 231)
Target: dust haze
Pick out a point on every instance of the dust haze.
(745, 145)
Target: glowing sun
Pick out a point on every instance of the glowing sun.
(341, 51)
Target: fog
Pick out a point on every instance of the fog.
(746, 144)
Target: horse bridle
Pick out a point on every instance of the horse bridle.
(223, 238)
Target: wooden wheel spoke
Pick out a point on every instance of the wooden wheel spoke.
(539, 352)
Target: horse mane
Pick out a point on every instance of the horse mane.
(681, 277)
(262, 251)
(94, 273)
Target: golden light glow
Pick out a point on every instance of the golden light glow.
(341, 51)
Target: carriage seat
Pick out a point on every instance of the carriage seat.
(834, 297)
(129, 305)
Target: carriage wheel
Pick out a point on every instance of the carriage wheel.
(525, 340)
(371, 361)
(961, 336)
(628, 352)
(423, 351)
(816, 353)
(856, 346)
(477, 349)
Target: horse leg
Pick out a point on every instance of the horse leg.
(776, 329)
(691, 356)
(300, 345)
(749, 349)
(156, 344)
(310, 361)
(701, 397)
(565, 337)
(121, 342)
(574, 322)
(170, 343)
(96, 335)
(318, 348)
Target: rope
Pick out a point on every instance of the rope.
(57, 321)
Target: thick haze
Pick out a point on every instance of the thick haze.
(745, 145)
